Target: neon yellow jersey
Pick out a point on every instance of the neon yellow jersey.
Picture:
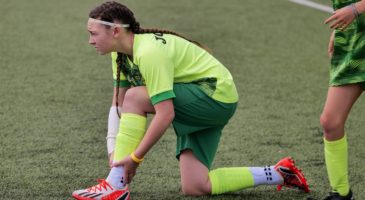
(160, 60)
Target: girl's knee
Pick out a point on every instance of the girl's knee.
(333, 127)
(135, 93)
(136, 100)
(330, 123)
(195, 189)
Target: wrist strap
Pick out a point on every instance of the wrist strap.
(135, 159)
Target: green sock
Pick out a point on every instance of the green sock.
(132, 128)
(230, 179)
(336, 162)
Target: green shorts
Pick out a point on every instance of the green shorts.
(362, 84)
(199, 121)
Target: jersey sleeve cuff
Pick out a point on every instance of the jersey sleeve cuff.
(123, 83)
(162, 96)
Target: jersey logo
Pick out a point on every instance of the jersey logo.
(158, 36)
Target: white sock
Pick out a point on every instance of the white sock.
(116, 177)
(266, 176)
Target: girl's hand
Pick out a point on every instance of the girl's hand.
(130, 168)
(341, 18)
(331, 45)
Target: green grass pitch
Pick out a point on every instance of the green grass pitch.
(56, 93)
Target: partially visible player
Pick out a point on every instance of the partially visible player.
(183, 84)
(347, 82)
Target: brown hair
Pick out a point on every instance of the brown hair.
(111, 11)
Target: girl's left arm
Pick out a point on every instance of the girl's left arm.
(164, 114)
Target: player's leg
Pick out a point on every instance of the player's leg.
(132, 129)
(337, 107)
(197, 158)
(194, 175)
(196, 151)
(198, 123)
(197, 180)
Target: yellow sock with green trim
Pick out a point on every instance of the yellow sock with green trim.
(230, 179)
(336, 162)
(132, 128)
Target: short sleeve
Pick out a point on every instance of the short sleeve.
(158, 71)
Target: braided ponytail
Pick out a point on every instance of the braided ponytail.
(118, 80)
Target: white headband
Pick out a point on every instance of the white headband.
(109, 23)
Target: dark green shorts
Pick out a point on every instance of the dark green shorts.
(362, 84)
(199, 121)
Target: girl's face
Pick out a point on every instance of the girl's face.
(100, 37)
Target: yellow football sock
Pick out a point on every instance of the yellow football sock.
(230, 179)
(336, 162)
(132, 128)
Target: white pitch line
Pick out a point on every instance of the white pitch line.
(314, 5)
